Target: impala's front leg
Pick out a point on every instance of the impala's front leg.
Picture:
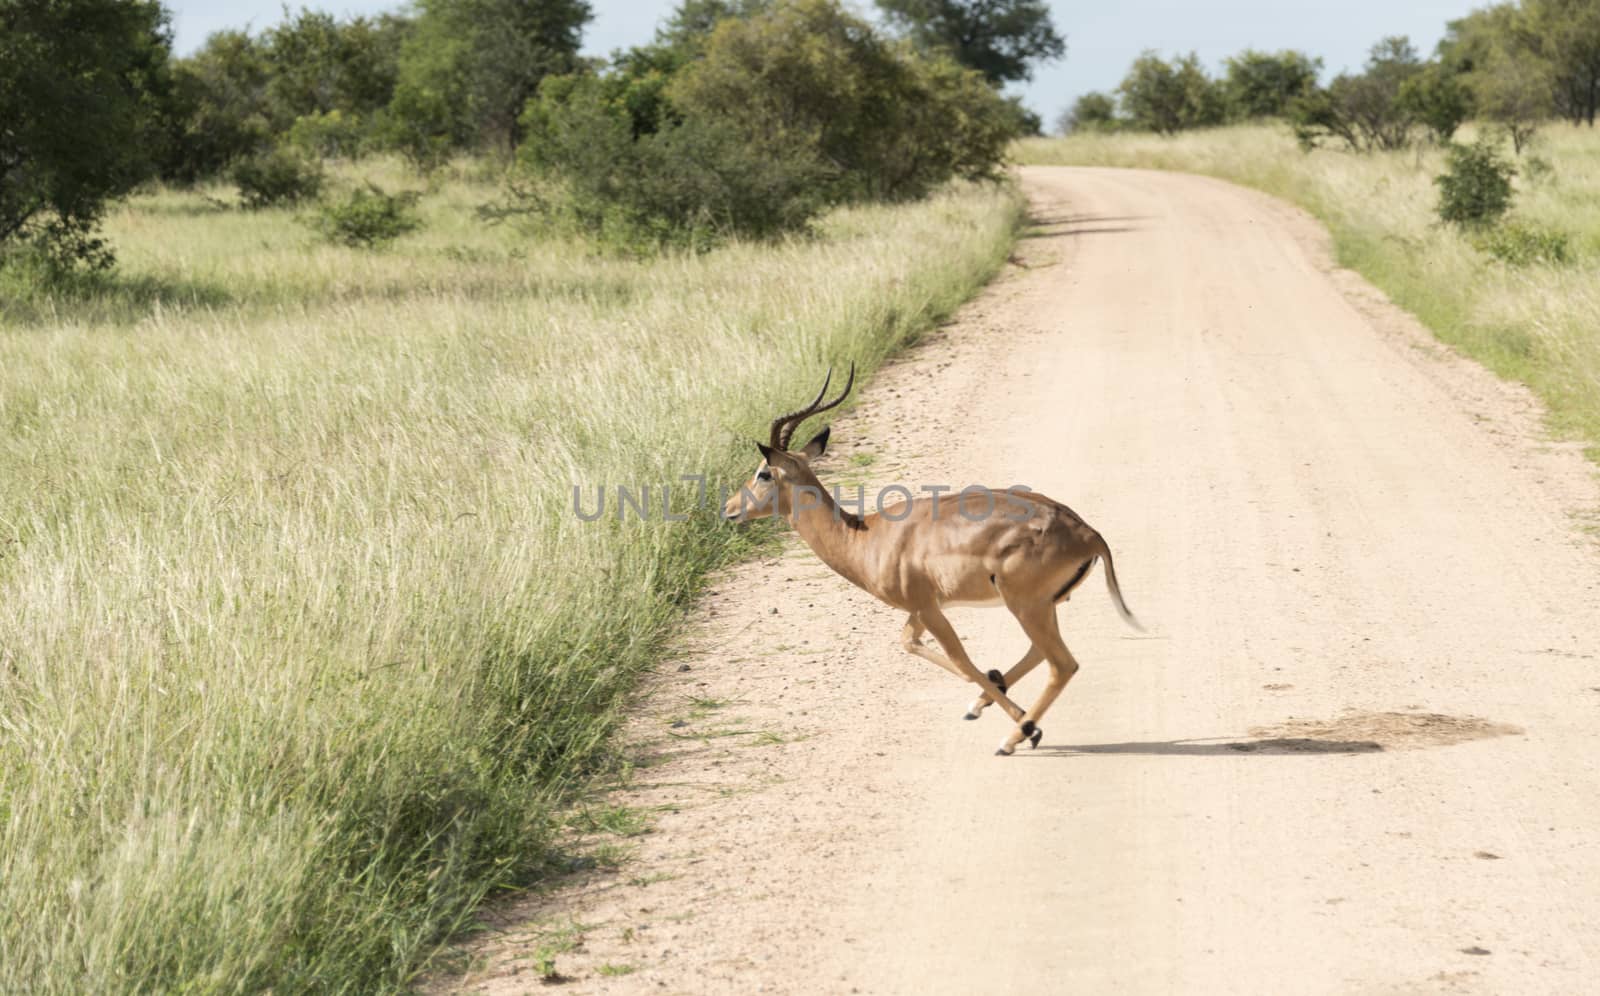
(911, 640)
(959, 663)
(1030, 660)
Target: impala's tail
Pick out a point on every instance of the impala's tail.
(1111, 584)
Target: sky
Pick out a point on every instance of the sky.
(1103, 36)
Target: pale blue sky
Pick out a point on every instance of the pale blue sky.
(1102, 37)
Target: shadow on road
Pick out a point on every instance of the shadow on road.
(1217, 747)
(1068, 225)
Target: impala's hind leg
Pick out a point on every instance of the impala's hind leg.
(1039, 622)
(1030, 660)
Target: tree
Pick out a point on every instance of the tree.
(1001, 39)
(1264, 85)
(470, 66)
(80, 83)
(1499, 54)
(1168, 97)
(1093, 111)
(1469, 41)
(1438, 98)
(1567, 34)
(692, 21)
(1513, 90)
(218, 110)
(317, 64)
(1365, 111)
(638, 77)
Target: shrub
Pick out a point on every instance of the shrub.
(691, 182)
(1475, 189)
(277, 177)
(1525, 245)
(369, 217)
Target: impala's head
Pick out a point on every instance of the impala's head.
(781, 470)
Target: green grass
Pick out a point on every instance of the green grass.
(302, 649)
(1537, 323)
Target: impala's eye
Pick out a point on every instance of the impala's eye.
(763, 474)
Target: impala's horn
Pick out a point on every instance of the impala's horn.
(784, 425)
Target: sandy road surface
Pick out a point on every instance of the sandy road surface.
(1356, 753)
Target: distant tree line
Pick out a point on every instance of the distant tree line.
(741, 117)
(1512, 64)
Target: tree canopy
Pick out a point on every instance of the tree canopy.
(1002, 39)
(80, 84)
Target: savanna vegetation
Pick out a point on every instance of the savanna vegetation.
(309, 336)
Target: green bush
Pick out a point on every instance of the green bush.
(1475, 188)
(276, 178)
(1525, 245)
(369, 217)
(692, 182)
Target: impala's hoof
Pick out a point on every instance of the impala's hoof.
(1033, 741)
(998, 680)
(970, 715)
(1002, 752)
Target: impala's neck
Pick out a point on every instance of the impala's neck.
(836, 536)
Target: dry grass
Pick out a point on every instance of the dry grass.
(1538, 324)
(302, 649)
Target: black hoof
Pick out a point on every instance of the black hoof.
(998, 680)
(1033, 741)
(970, 715)
(1002, 753)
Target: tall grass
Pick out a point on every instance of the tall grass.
(1539, 324)
(302, 648)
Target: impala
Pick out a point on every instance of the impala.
(1009, 547)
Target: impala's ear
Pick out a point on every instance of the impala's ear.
(818, 445)
(766, 451)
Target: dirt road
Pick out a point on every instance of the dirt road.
(1356, 752)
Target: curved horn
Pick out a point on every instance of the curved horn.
(784, 427)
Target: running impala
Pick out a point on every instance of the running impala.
(1006, 547)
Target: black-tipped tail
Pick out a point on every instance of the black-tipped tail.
(1116, 590)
